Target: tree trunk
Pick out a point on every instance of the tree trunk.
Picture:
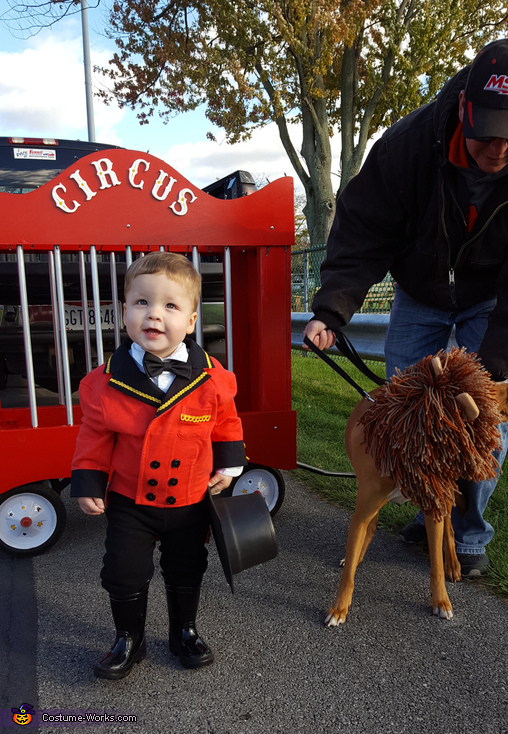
(352, 154)
(317, 154)
(348, 157)
(319, 210)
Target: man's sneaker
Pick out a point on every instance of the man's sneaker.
(414, 533)
(473, 566)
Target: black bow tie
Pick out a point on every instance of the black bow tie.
(155, 366)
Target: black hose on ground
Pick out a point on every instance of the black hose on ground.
(316, 470)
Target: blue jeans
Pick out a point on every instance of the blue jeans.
(414, 332)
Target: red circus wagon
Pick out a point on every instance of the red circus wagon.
(64, 248)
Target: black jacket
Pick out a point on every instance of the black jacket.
(401, 214)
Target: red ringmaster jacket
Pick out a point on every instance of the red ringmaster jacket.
(161, 448)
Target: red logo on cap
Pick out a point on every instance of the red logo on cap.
(497, 84)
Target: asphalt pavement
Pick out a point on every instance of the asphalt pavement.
(392, 668)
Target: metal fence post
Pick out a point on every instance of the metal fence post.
(306, 281)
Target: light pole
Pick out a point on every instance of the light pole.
(88, 72)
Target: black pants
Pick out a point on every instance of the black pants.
(132, 533)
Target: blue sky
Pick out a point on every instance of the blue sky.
(42, 93)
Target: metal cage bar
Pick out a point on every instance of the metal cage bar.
(84, 303)
(56, 328)
(26, 336)
(97, 305)
(196, 261)
(63, 335)
(228, 305)
(114, 297)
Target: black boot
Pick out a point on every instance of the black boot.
(129, 647)
(184, 639)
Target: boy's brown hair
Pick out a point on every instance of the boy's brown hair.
(176, 267)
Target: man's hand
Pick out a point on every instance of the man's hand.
(91, 505)
(219, 482)
(319, 334)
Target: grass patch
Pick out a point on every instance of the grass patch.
(324, 401)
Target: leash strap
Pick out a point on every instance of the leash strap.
(331, 363)
(350, 352)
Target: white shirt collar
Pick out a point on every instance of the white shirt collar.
(164, 380)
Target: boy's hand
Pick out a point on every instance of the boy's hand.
(91, 505)
(219, 482)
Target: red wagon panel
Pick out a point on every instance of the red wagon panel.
(99, 214)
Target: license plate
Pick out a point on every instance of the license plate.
(75, 317)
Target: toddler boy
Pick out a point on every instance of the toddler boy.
(160, 416)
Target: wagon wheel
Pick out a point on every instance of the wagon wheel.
(32, 518)
(258, 478)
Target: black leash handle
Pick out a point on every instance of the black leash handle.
(355, 359)
(350, 352)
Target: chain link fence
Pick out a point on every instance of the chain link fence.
(305, 281)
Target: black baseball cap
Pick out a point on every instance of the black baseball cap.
(486, 93)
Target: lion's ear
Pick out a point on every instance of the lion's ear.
(471, 410)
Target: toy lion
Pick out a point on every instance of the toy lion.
(418, 434)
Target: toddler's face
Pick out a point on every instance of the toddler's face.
(158, 314)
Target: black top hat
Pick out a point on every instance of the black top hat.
(486, 93)
(243, 531)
